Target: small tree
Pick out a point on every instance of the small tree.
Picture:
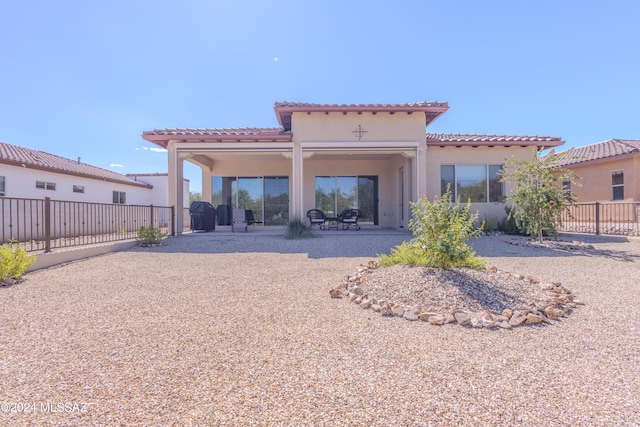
(538, 198)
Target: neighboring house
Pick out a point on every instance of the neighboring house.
(32, 174)
(609, 171)
(160, 194)
(375, 157)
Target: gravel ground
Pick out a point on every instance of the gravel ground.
(218, 329)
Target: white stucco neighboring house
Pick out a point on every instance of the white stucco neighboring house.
(160, 183)
(33, 174)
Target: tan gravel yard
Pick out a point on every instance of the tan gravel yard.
(218, 329)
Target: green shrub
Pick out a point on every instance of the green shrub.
(489, 224)
(508, 224)
(297, 229)
(14, 261)
(440, 231)
(150, 235)
(404, 254)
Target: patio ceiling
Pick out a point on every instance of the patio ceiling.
(208, 159)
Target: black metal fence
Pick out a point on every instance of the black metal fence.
(603, 218)
(45, 224)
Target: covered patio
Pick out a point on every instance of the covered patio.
(331, 157)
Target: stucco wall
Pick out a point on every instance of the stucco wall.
(160, 192)
(248, 166)
(437, 156)
(595, 178)
(339, 127)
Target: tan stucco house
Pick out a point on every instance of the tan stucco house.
(375, 157)
(609, 171)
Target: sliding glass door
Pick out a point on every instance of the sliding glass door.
(276, 200)
(368, 199)
(337, 193)
(266, 197)
(249, 195)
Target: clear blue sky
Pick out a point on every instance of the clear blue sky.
(85, 79)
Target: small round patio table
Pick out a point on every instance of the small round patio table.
(330, 220)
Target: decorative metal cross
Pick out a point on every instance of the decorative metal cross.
(359, 132)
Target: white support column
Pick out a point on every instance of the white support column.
(176, 187)
(297, 182)
(179, 199)
(421, 160)
(172, 183)
(206, 184)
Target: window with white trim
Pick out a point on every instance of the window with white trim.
(78, 188)
(617, 185)
(478, 183)
(119, 197)
(43, 185)
(566, 189)
(2, 186)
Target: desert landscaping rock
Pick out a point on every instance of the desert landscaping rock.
(365, 303)
(398, 311)
(462, 318)
(490, 295)
(504, 325)
(550, 243)
(534, 318)
(436, 319)
(225, 330)
(517, 319)
(410, 315)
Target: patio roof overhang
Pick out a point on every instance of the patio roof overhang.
(162, 137)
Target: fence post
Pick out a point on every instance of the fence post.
(151, 216)
(597, 218)
(173, 220)
(47, 224)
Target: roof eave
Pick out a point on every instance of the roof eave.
(540, 145)
(580, 163)
(163, 140)
(72, 173)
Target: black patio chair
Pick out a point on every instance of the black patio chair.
(316, 216)
(350, 217)
(251, 220)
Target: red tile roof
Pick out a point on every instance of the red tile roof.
(600, 150)
(407, 106)
(162, 136)
(214, 131)
(33, 159)
(284, 111)
(455, 140)
(432, 110)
